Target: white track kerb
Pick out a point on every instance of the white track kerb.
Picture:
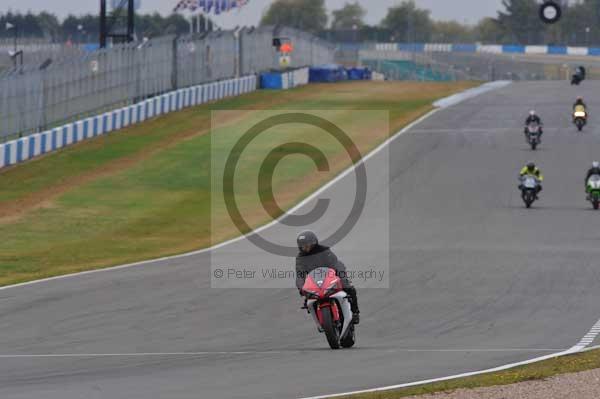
(581, 346)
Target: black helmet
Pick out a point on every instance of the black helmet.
(531, 166)
(307, 240)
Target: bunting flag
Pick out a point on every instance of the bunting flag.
(191, 5)
(207, 6)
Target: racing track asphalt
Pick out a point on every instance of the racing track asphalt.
(476, 280)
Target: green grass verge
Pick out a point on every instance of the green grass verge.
(145, 192)
(537, 371)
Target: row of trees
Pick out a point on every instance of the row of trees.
(517, 22)
(86, 27)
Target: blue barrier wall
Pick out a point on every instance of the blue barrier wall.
(595, 51)
(561, 50)
(327, 74)
(513, 48)
(271, 81)
(464, 48)
(284, 80)
(359, 74)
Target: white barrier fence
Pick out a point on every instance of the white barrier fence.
(21, 150)
(487, 49)
(296, 78)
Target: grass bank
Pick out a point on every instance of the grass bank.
(145, 192)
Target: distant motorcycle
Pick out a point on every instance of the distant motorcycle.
(578, 76)
(580, 119)
(593, 190)
(533, 135)
(529, 189)
(329, 306)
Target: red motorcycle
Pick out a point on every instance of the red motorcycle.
(329, 306)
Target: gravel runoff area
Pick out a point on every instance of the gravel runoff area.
(584, 385)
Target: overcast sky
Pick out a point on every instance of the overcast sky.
(462, 10)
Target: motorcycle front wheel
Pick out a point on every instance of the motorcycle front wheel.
(350, 338)
(331, 331)
(528, 199)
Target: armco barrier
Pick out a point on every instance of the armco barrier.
(20, 150)
(487, 48)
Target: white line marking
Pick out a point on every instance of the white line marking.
(239, 238)
(580, 347)
(276, 352)
(590, 336)
(470, 93)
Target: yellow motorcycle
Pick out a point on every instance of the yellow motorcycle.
(580, 117)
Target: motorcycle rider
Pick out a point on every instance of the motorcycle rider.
(533, 118)
(594, 170)
(579, 75)
(580, 105)
(532, 170)
(313, 256)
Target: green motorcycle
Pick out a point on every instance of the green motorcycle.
(593, 190)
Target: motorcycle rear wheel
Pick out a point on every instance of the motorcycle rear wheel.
(533, 145)
(331, 330)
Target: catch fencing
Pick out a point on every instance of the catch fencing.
(35, 52)
(36, 97)
(451, 62)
